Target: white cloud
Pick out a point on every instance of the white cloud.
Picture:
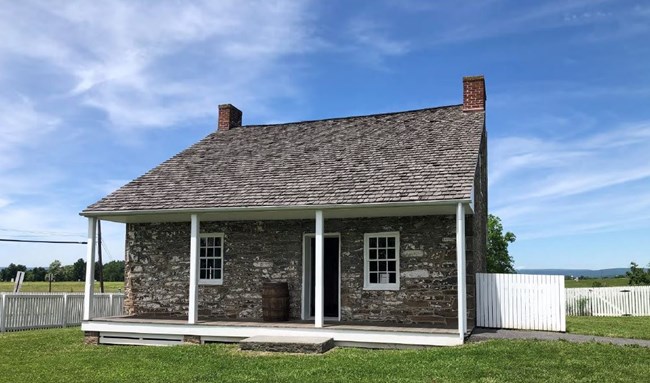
(131, 59)
(21, 126)
(372, 43)
(573, 185)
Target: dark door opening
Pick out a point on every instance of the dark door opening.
(330, 277)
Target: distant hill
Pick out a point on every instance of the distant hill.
(602, 273)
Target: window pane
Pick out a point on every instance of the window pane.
(217, 274)
(382, 254)
(202, 274)
(382, 266)
(373, 242)
(373, 278)
(392, 278)
(391, 265)
(382, 242)
(372, 254)
(209, 252)
(217, 241)
(202, 264)
(202, 252)
(373, 266)
(210, 263)
(202, 241)
(390, 253)
(391, 241)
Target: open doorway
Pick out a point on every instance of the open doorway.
(331, 276)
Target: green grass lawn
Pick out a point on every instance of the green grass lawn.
(622, 327)
(60, 287)
(59, 356)
(606, 282)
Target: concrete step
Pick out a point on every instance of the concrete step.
(296, 344)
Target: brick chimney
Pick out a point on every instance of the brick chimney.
(474, 93)
(229, 117)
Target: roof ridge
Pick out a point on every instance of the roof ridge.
(351, 117)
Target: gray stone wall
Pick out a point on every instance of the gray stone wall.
(157, 268)
(476, 229)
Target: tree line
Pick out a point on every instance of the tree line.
(113, 272)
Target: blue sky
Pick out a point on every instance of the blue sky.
(93, 94)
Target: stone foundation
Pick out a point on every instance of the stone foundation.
(91, 337)
(191, 339)
(157, 268)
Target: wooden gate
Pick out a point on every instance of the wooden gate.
(521, 301)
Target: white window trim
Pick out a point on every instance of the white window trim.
(366, 245)
(213, 282)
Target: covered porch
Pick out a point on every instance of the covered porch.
(191, 326)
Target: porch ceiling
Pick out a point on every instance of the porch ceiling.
(274, 213)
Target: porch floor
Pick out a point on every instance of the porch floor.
(167, 329)
(171, 319)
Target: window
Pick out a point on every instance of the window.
(211, 259)
(381, 261)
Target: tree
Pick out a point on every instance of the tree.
(498, 259)
(10, 271)
(114, 271)
(36, 274)
(55, 269)
(637, 275)
(79, 270)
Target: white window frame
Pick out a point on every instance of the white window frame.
(223, 252)
(366, 262)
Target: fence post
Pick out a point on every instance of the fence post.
(64, 317)
(3, 314)
(110, 305)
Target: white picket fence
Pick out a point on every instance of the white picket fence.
(521, 301)
(609, 301)
(24, 311)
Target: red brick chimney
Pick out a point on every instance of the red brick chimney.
(474, 93)
(229, 117)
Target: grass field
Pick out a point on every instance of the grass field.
(59, 356)
(606, 282)
(61, 287)
(623, 327)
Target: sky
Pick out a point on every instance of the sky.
(94, 94)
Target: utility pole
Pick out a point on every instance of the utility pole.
(99, 256)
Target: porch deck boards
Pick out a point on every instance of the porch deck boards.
(305, 324)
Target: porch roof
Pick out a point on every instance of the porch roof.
(422, 156)
(286, 212)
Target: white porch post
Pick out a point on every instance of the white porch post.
(90, 269)
(318, 291)
(460, 261)
(193, 309)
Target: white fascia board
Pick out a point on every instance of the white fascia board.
(100, 213)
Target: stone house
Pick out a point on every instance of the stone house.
(377, 223)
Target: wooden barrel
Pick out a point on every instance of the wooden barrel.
(275, 301)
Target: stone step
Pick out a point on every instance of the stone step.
(296, 344)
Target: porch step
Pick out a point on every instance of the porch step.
(297, 344)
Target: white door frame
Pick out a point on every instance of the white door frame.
(306, 277)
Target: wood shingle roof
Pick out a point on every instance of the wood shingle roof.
(421, 155)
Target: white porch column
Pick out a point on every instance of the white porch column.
(193, 309)
(318, 291)
(90, 269)
(460, 262)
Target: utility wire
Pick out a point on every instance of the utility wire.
(110, 256)
(47, 233)
(35, 241)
